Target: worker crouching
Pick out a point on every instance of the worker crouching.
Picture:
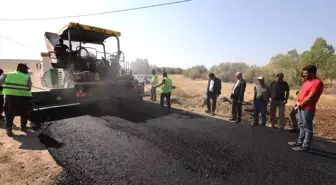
(17, 90)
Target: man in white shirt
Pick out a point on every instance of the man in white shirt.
(213, 91)
(237, 97)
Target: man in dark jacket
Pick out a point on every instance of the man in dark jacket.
(279, 97)
(213, 91)
(237, 97)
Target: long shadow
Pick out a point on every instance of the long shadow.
(29, 141)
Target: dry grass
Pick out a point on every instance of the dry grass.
(189, 95)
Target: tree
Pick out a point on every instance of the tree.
(140, 66)
(322, 55)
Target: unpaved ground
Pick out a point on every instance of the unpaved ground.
(24, 160)
(189, 95)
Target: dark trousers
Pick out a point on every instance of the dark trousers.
(236, 110)
(153, 93)
(292, 115)
(16, 106)
(211, 96)
(1, 104)
(260, 106)
(162, 97)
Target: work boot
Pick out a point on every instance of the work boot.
(207, 111)
(212, 113)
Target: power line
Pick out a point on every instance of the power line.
(99, 13)
(16, 42)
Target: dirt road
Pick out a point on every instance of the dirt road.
(24, 160)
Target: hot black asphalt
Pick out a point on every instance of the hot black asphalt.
(182, 149)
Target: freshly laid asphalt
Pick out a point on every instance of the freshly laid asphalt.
(182, 149)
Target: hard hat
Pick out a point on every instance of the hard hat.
(260, 78)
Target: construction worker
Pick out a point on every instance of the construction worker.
(17, 89)
(1, 96)
(154, 83)
(166, 89)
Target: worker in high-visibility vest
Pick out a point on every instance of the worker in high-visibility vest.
(166, 89)
(17, 90)
(154, 83)
(1, 96)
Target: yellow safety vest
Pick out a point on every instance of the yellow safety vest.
(167, 86)
(16, 84)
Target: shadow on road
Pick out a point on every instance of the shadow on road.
(29, 141)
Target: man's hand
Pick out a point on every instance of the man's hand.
(296, 108)
(217, 95)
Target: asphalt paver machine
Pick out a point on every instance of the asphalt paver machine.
(83, 75)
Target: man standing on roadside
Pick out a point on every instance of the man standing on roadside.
(17, 89)
(213, 91)
(2, 74)
(237, 97)
(307, 99)
(166, 89)
(261, 99)
(279, 97)
(154, 84)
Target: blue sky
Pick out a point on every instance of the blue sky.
(194, 33)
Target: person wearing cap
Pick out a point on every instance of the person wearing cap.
(2, 74)
(17, 90)
(279, 97)
(261, 99)
(213, 91)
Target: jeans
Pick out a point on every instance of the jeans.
(292, 115)
(260, 107)
(281, 105)
(211, 96)
(306, 118)
(162, 97)
(153, 93)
